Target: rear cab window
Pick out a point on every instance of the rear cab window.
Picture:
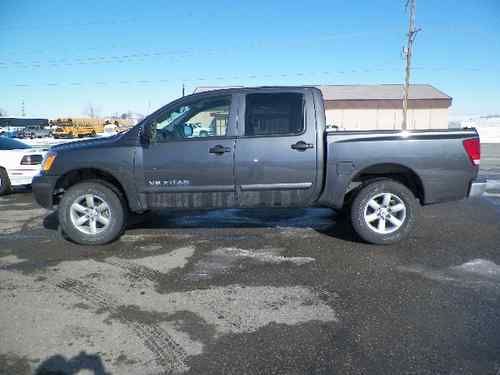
(274, 114)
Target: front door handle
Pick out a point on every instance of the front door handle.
(219, 149)
(302, 146)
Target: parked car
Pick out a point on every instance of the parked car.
(34, 131)
(18, 163)
(200, 131)
(270, 148)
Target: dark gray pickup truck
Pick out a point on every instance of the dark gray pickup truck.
(261, 147)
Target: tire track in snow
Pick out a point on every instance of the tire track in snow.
(135, 270)
(168, 354)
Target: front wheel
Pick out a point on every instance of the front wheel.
(91, 213)
(384, 212)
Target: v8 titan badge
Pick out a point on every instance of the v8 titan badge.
(174, 182)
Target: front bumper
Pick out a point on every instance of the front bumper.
(23, 176)
(43, 190)
(477, 188)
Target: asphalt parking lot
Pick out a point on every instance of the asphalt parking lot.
(253, 292)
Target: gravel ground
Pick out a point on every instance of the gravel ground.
(252, 292)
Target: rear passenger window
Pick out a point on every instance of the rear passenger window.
(274, 114)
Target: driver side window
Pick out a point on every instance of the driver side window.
(208, 117)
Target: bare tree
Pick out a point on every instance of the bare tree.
(411, 6)
(91, 110)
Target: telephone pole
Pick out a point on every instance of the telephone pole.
(23, 113)
(411, 6)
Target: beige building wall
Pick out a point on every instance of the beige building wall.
(369, 118)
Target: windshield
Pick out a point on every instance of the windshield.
(11, 144)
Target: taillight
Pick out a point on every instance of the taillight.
(31, 160)
(473, 149)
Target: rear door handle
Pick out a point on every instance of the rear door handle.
(219, 149)
(302, 146)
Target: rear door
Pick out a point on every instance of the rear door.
(276, 158)
(193, 169)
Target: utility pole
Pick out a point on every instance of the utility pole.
(411, 6)
(183, 90)
(23, 113)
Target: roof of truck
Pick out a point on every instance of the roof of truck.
(362, 92)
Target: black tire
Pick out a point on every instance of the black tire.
(395, 233)
(108, 194)
(5, 186)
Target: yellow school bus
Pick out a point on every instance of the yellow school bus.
(77, 128)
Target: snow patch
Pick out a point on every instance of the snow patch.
(476, 274)
(165, 262)
(270, 255)
(150, 248)
(39, 320)
(223, 259)
(481, 267)
(76, 306)
(10, 260)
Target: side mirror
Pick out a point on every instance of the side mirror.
(188, 131)
(148, 134)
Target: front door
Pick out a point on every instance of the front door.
(190, 164)
(276, 155)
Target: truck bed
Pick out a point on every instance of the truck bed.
(435, 159)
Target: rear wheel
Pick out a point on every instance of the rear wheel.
(384, 212)
(4, 182)
(91, 213)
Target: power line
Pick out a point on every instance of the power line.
(464, 29)
(137, 55)
(77, 24)
(241, 77)
(120, 59)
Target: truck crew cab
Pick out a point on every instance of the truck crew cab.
(264, 147)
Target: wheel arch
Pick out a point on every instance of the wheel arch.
(78, 175)
(395, 171)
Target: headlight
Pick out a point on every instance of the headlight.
(48, 161)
